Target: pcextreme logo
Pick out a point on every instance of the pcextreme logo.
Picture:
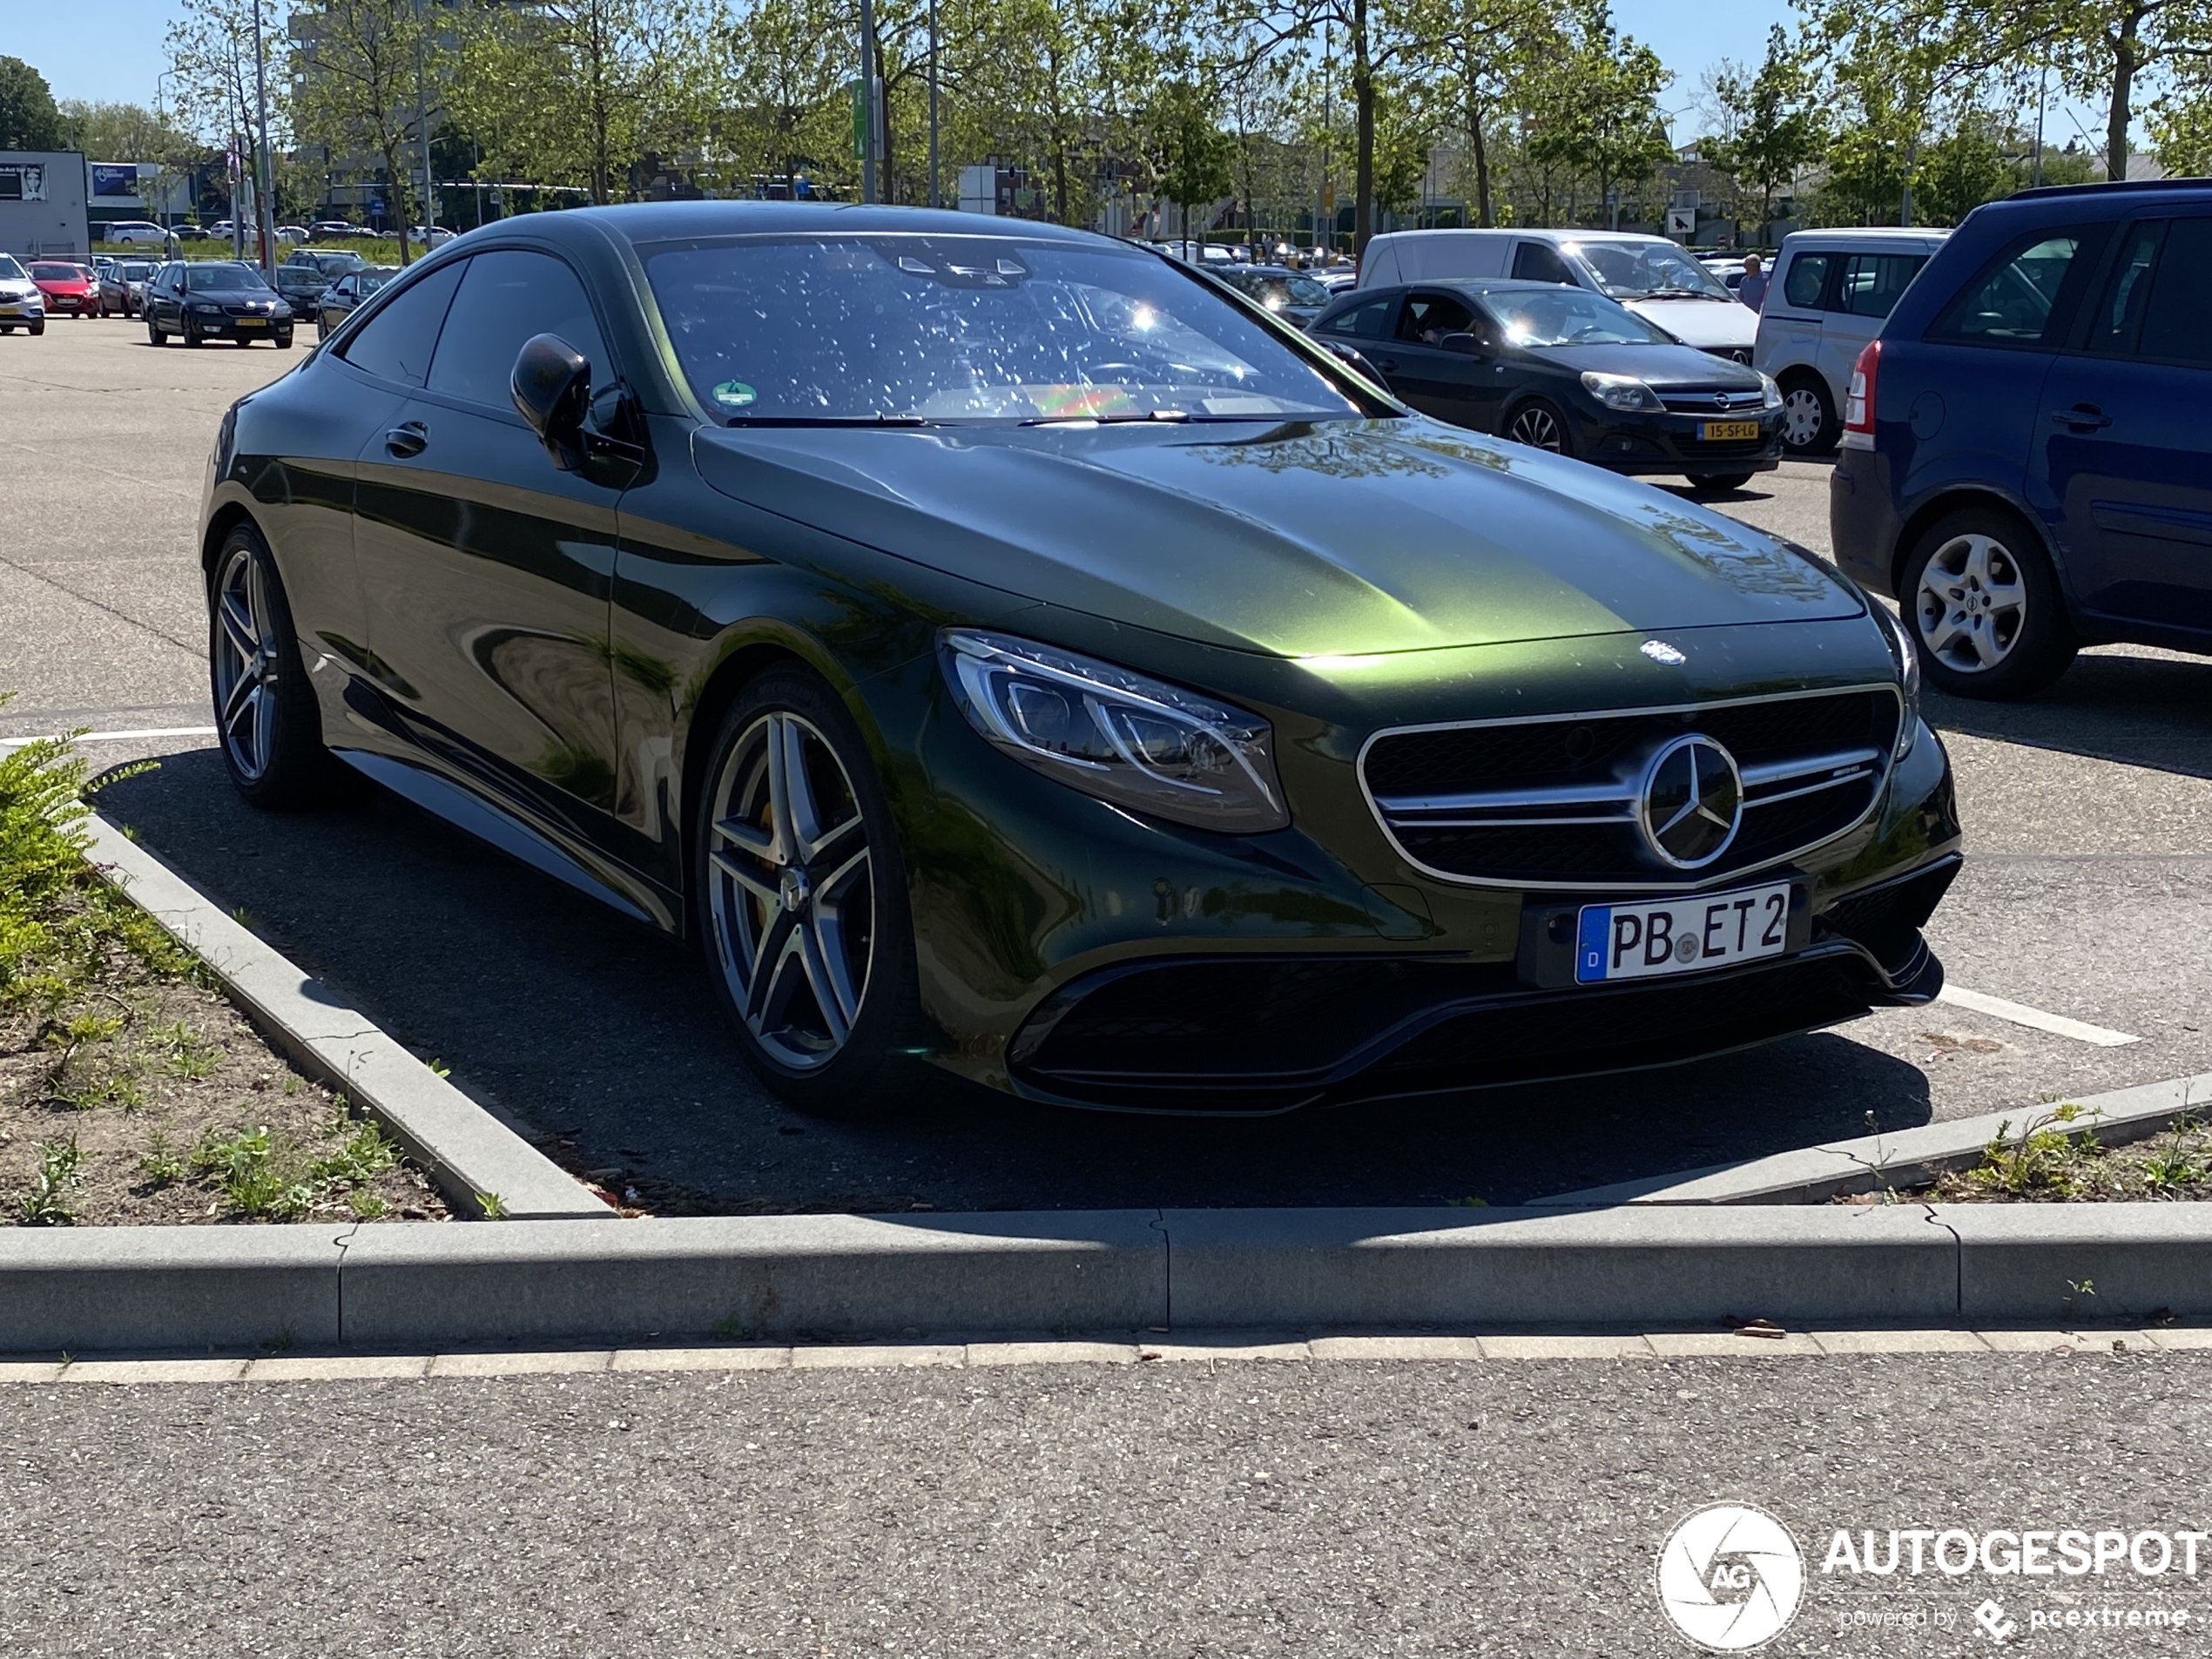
(1730, 1577)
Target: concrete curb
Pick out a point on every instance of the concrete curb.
(464, 1147)
(421, 1285)
(1907, 1159)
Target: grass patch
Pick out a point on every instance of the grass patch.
(2050, 1161)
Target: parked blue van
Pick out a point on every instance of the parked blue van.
(2026, 459)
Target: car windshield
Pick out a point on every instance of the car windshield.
(1638, 270)
(9, 268)
(1562, 316)
(134, 271)
(946, 328)
(370, 281)
(1277, 290)
(51, 272)
(222, 276)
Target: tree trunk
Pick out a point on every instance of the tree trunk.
(1363, 97)
(1482, 165)
(398, 195)
(2125, 61)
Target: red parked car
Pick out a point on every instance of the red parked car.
(71, 289)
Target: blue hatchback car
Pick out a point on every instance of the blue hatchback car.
(2026, 459)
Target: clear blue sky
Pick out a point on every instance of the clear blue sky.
(113, 50)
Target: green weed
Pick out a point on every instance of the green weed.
(186, 1054)
(48, 1202)
(160, 1164)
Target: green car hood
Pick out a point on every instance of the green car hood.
(1305, 539)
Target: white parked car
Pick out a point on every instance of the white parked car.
(137, 232)
(1651, 275)
(1826, 297)
(20, 304)
(439, 234)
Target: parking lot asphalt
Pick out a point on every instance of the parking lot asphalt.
(1211, 1510)
(2088, 895)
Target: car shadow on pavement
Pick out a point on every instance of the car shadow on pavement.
(2142, 711)
(604, 1040)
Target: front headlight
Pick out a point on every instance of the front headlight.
(1907, 659)
(1123, 737)
(205, 309)
(1773, 390)
(1620, 391)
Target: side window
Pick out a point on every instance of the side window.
(1368, 322)
(1539, 262)
(2176, 328)
(395, 343)
(2019, 298)
(1807, 281)
(1429, 317)
(1873, 283)
(506, 297)
(2119, 315)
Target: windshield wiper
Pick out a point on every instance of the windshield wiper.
(1168, 417)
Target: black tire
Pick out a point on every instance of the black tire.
(1810, 423)
(7, 328)
(36, 329)
(155, 336)
(1990, 621)
(1541, 425)
(267, 723)
(284, 340)
(791, 1042)
(1720, 483)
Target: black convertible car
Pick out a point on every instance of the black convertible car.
(1004, 649)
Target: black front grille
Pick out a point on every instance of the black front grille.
(1553, 802)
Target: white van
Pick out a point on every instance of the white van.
(1829, 294)
(1651, 275)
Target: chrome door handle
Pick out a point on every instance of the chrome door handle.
(2084, 417)
(409, 438)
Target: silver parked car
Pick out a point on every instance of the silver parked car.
(1829, 294)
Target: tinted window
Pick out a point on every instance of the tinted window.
(506, 298)
(2177, 321)
(2119, 314)
(1871, 283)
(394, 344)
(222, 276)
(1369, 322)
(2014, 301)
(937, 328)
(1808, 278)
(1536, 262)
(1429, 317)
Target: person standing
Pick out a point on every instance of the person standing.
(1752, 290)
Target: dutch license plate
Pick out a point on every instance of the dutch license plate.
(250, 323)
(1727, 431)
(1680, 936)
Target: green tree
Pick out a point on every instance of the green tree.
(28, 117)
(786, 95)
(1964, 169)
(120, 132)
(1601, 114)
(1479, 56)
(1197, 157)
(1780, 124)
(361, 67)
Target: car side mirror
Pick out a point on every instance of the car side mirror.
(551, 386)
(1350, 358)
(1465, 344)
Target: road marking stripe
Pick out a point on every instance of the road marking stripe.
(1997, 1008)
(116, 736)
(1218, 1348)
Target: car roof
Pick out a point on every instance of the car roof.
(2192, 189)
(1913, 235)
(675, 221)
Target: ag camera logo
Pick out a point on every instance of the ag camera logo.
(1730, 1577)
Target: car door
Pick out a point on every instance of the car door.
(1866, 288)
(2124, 460)
(1458, 387)
(486, 569)
(1794, 317)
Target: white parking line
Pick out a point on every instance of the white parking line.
(118, 736)
(1997, 1008)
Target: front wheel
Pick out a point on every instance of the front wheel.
(284, 340)
(36, 329)
(265, 713)
(1539, 426)
(800, 900)
(1985, 608)
(191, 333)
(154, 336)
(1720, 483)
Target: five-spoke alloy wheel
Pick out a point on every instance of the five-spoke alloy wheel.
(264, 709)
(801, 901)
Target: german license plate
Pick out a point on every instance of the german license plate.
(250, 322)
(1727, 431)
(1617, 941)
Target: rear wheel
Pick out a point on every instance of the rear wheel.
(265, 713)
(1540, 426)
(1809, 422)
(1985, 608)
(1720, 483)
(800, 900)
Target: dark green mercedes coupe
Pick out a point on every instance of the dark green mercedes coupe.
(1005, 650)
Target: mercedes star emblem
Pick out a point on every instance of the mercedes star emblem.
(1691, 802)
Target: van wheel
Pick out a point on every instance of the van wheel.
(1984, 606)
(1809, 423)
